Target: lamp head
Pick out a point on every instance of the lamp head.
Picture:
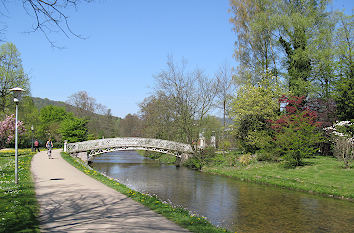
(17, 91)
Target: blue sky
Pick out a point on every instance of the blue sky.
(127, 43)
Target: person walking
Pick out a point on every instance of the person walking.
(49, 146)
(36, 146)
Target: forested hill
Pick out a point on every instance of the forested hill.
(99, 125)
(40, 103)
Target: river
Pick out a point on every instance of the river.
(235, 205)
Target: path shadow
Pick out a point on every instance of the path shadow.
(82, 209)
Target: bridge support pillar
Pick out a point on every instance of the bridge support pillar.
(181, 160)
(83, 156)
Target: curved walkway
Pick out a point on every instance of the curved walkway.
(71, 201)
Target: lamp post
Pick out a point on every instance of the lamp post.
(17, 95)
(32, 137)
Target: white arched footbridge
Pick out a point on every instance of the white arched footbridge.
(86, 150)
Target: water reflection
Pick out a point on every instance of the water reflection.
(238, 206)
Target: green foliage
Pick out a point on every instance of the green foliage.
(345, 98)
(50, 118)
(247, 159)
(345, 67)
(252, 106)
(18, 205)
(201, 158)
(11, 74)
(251, 131)
(296, 133)
(74, 130)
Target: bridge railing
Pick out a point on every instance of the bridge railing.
(127, 142)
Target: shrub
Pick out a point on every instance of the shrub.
(247, 159)
(343, 140)
(201, 158)
(296, 132)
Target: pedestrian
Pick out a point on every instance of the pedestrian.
(36, 146)
(49, 146)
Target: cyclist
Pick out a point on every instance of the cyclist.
(49, 146)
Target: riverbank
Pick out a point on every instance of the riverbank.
(321, 175)
(178, 215)
(18, 205)
(160, 157)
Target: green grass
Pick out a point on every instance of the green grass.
(18, 205)
(176, 214)
(160, 157)
(320, 175)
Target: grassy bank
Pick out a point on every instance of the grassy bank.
(321, 175)
(18, 205)
(160, 157)
(178, 215)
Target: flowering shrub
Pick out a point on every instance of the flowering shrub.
(342, 134)
(246, 159)
(7, 130)
(296, 133)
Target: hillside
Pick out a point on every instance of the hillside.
(98, 124)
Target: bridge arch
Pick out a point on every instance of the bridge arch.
(88, 149)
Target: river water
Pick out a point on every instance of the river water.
(235, 205)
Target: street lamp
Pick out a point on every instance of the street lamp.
(32, 136)
(17, 96)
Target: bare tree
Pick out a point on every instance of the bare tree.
(83, 103)
(50, 16)
(225, 86)
(192, 96)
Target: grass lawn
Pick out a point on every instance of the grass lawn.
(18, 205)
(321, 175)
(178, 215)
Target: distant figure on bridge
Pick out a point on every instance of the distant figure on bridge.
(36, 146)
(49, 146)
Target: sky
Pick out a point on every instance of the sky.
(126, 44)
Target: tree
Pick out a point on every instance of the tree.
(225, 88)
(7, 130)
(297, 132)
(157, 117)
(344, 58)
(74, 130)
(11, 74)
(50, 15)
(291, 39)
(51, 118)
(251, 108)
(85, 105)
(130, 126)
(255, 44)
(191, 96)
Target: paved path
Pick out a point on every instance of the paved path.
(71, 201)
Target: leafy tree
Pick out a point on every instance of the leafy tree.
(291, 39)
(7, 130)
(252, 106)
(11, 74)
(297, 132)
(51, 118)
(74, 130)
(255, 44)
(345, 85)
